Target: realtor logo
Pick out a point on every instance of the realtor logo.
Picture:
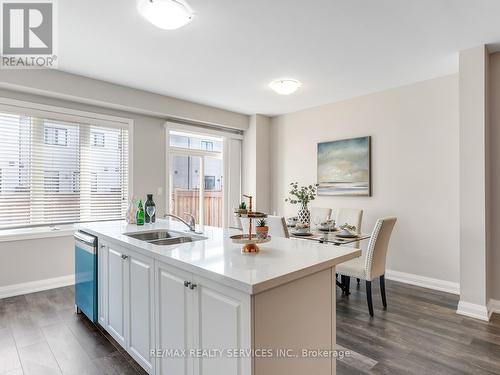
(28, 34)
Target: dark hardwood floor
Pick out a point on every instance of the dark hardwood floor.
(418, 334)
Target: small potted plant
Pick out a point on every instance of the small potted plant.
(242, 209)
(262, 229)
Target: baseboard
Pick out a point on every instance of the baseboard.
(493, 306)
(474, 310)
(424, 282)
(35, 286)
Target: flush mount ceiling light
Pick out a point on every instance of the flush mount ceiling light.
(165, 14)
(285, 86)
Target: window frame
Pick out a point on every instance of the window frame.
(57, 113)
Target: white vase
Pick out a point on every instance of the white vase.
(304, 215)
(131, 211)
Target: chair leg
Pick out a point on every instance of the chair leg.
(382, 291)
(369, 296)
(357, 280)
(347, 285)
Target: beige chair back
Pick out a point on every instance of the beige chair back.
(376, 253)
(277, 226)
(320, 212)
(350, 216)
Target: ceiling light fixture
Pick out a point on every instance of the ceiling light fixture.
(285, 86)
(165, 14)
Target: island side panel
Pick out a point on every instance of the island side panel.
(297, 316)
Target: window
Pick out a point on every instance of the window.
(97, 139)
(55, 136)
(207, 145)
(61, 172)
(51, 181)
(209, 182)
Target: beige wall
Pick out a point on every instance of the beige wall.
(494, 264)
(33, 260)
(414, 133)
(256, 157)
(473, 178)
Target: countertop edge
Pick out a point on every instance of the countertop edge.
(250, 289)
(277, 281)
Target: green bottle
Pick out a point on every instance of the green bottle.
(139, 218)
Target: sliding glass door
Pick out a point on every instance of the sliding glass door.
(196, 177)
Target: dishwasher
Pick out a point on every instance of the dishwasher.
(86, 274)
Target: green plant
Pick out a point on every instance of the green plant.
(261, 223)
(242, 206)
(302, 194)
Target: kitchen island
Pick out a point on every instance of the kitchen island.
(203, 307)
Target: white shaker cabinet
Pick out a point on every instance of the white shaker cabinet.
(197, 315)
(173, 320)
(126, 288)
(140, 308)
(115, 293)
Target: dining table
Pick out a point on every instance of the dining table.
(331, 236)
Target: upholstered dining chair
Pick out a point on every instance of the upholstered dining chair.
(321, 212)
(349, 216)
(372, 263)
(277, 226)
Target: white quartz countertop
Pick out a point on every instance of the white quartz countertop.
(279, 261)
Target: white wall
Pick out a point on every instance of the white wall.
(414, 133)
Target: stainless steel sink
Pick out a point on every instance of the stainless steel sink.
(172, 241)
(152, 235)
(164, 237)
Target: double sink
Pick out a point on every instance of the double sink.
(164, 237)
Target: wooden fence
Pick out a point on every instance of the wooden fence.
(184, 200)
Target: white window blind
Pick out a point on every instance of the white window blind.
(53, 171)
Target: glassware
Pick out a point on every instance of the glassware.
(150, 210)
(140, 214)
(317, 222)
(149, 202)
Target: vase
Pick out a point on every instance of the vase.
(131, 211)
(304, 215)
(149, 202)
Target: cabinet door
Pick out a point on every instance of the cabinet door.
(115, 293)
(102, 255)
(140, 308)
(173, 320)
(221, 321)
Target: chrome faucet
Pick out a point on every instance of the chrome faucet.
(191, 223)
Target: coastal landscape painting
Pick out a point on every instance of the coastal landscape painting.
(344, 167)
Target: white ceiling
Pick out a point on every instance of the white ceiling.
(233, 48)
